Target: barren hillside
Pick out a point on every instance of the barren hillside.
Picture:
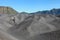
(7, 10)
(33, 26)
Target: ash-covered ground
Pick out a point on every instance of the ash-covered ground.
(29, 27)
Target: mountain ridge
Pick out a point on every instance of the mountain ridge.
(7, 10)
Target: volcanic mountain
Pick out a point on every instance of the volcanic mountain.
(41, 25)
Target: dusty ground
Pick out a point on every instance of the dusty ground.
(6, 36)
(32, 27)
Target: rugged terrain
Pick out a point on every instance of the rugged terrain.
(33, 26)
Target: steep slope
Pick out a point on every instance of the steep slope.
(32, 25)
(7, 10)
(5, 24)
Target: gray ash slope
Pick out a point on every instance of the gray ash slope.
(5, 24)
(32, 26)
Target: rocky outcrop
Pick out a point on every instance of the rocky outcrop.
(7, 10)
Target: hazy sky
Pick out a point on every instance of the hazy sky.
(31, 5)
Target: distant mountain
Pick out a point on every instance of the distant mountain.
(7, 10)
(23, 13)
(52, 11)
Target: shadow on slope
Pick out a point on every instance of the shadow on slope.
(55, 35)
(20, 30)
